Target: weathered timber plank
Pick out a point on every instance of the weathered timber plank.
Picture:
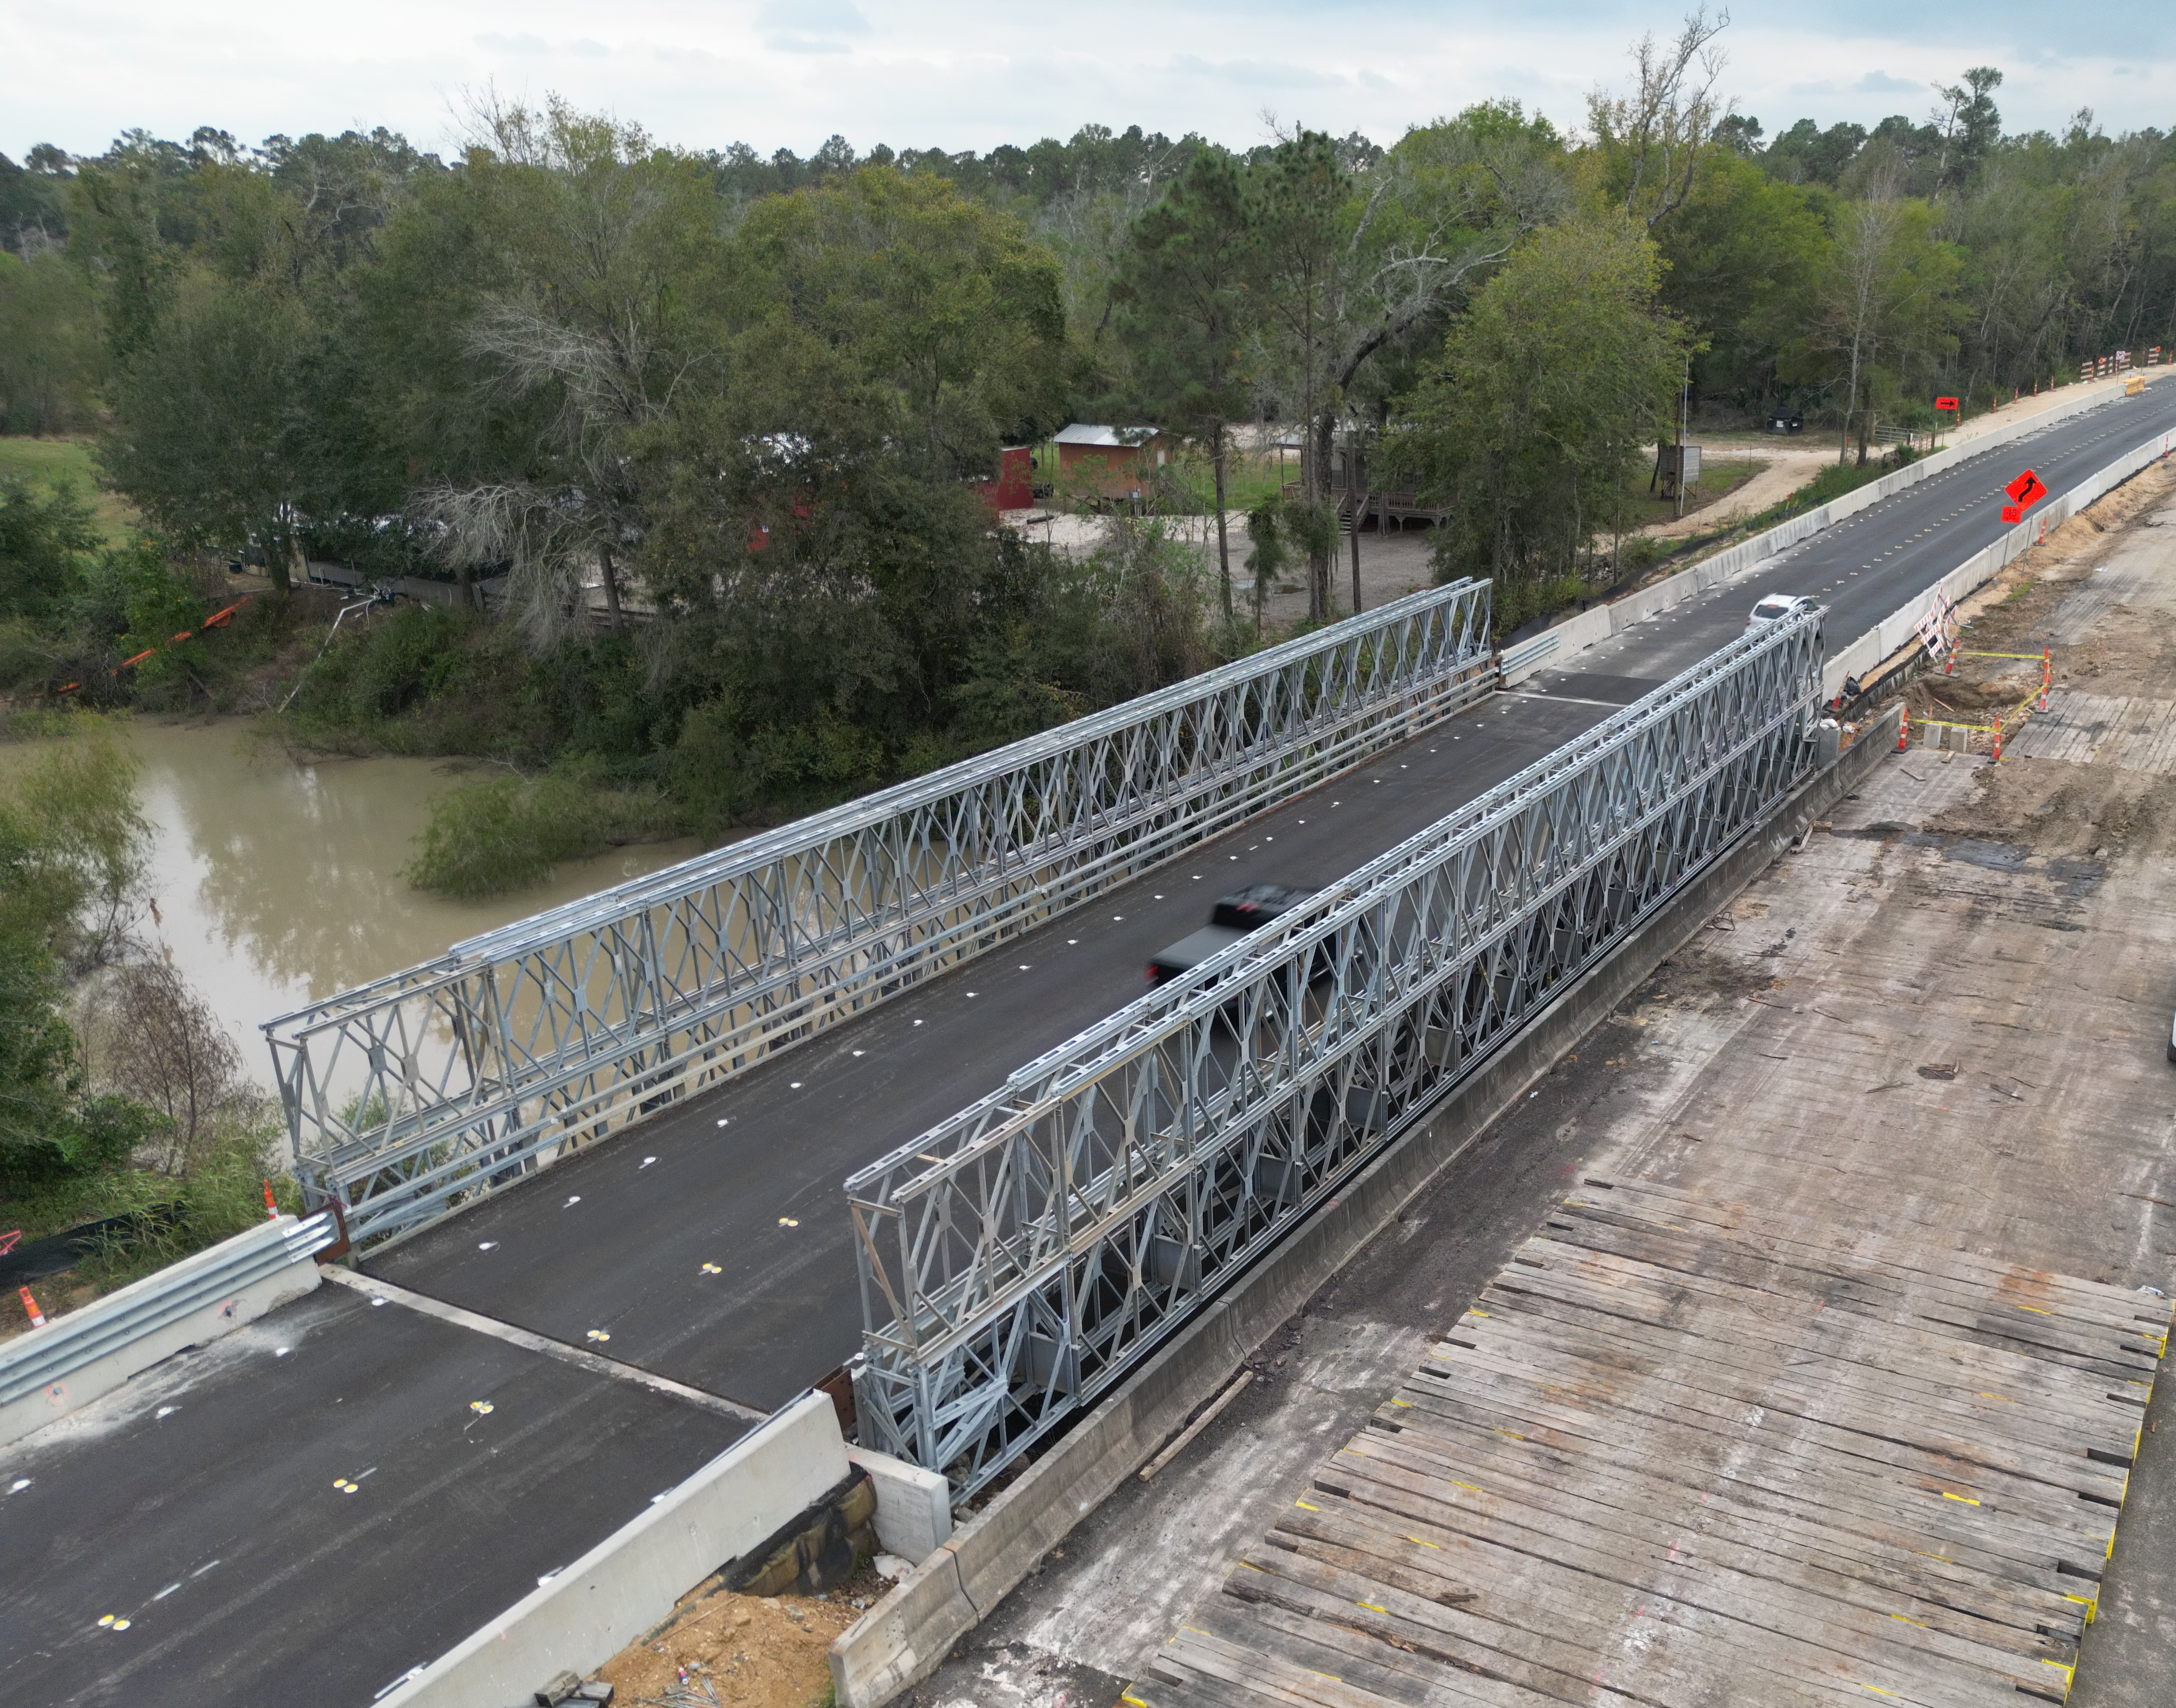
(1882, 1576)
(1863, 1284)
(1651, 1200)
(1712, 1586)
(1902, 1365)
(1362, 1648)
(1556, 1614)
(1692, 1639)
(1970, 1535)
(1707, 1429)
(1561, 1353)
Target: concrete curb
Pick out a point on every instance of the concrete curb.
(1591, 626)
(589, 1612)
(905, 1636)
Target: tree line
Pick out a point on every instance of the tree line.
(750, 396)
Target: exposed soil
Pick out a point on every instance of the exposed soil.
(1732, 484)
(720, 1649)
(2061, 809)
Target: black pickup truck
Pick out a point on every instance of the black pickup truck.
(1234, 915)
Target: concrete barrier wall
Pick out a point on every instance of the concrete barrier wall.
(905, 1636)
(1603, 621)
(630, 1581)
(50, 1372)
(1896, 631)
(914, 1506)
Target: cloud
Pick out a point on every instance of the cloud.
(1255, 74)
(972, 74)
(812, 17)
(810, 26)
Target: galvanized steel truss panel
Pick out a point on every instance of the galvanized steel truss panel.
(406, 1097)
(1018, 1258)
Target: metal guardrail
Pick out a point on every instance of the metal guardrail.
(52, 1354)
(1517, 658)
(410, 1096)
(1018, 1258)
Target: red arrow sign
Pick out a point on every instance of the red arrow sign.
(2025, 490)
(1946, 403)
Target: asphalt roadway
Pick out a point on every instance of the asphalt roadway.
(710, 1244)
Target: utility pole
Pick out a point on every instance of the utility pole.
(1684, 403)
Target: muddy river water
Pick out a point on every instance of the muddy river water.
(279, 882)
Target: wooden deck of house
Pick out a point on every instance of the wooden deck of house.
(1686, 1452)
(1387, 509)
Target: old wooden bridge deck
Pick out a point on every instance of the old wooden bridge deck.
(1684, 1452)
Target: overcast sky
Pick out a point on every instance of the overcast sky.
(970, 73)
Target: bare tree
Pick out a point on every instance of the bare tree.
(159, 1044)
(1856, 302)
(547, 539)
(1666, 126)
(1886, 298)
(1354, 261)
(591, 329)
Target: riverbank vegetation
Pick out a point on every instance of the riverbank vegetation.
(692, 445)
(124, 1113)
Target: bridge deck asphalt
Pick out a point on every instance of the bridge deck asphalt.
(205, 1504)
(243, 1470)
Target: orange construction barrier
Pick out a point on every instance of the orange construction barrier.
(217, 619)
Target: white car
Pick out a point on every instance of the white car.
(1777, 606)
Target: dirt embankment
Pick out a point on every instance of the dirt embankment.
(2124, 649)
(720, 1649)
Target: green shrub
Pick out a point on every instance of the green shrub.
(221, 1195)
(506, 833)
(721, 772)
(1521, 602)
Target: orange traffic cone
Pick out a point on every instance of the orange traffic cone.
(30, 1308)
(1904, 729)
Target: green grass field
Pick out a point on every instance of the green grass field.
(1718, 479)
(57, 462)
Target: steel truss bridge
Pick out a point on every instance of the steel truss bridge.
(409, 1097)
(1017, 1260)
